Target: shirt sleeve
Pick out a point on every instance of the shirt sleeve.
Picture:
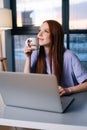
(34, 56)
(78, 69)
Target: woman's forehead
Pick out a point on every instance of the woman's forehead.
(44, 25)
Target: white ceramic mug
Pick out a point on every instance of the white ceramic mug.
(34, 43)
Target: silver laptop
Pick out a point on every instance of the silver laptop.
(32, 91)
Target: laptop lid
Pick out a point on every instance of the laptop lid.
(32, 91)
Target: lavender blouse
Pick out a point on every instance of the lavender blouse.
(73, 72)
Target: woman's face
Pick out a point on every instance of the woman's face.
(44, 35)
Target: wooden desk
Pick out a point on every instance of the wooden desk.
(74, 118)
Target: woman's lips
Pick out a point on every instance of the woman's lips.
(40, 39)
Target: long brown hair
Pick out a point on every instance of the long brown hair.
(56, 50)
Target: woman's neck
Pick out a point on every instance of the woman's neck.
(47, 48)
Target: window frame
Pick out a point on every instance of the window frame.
(31, 30)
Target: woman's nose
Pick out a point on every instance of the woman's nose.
(40, 34)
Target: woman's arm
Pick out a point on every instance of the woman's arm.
(74, 89)
(28, 51)
(27, 65)
(75, 72)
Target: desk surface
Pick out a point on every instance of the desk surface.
(75, 116)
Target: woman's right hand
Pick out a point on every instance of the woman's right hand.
(27, 48)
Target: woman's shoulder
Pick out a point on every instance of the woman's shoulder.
(70, 56)
(68, 53)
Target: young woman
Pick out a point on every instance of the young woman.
(53, 58)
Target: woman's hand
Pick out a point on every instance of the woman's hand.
(27, 48)
(64, 91)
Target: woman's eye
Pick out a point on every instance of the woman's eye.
(47, 31)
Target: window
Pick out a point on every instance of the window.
(19, 41)
(78, 29)
(29, 14)
(28, 17)
(78, 44)
(78, 16)
(36, 11)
